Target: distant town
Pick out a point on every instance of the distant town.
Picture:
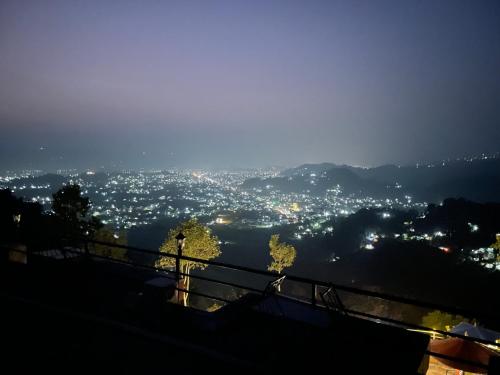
(128, 199)
(302, 201)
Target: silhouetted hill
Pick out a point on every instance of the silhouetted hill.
(481, 188)
(308, 169)
(318, 183)
(476, 180)
(455, 217)
(416, 269)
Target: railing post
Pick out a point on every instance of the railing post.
(180, 245)
(178, 264)
(313, 294)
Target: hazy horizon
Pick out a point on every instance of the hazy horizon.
(111, 168)
(224, 84)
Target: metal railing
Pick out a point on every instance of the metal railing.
(314, 286)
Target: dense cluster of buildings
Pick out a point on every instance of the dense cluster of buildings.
(127, 199)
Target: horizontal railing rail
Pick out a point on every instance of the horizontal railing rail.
(389, 297)
(314, 284)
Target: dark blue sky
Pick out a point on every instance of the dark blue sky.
(155, 84)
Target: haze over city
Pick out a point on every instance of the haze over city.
(149, 84)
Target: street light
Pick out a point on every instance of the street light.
(181, 239)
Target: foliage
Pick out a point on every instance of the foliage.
(214, 307)
(282, 253)
(68, 203)
(10, 208)
(19, 220)
(199, 243)
(375, 306)
(441, 320)
(455, 217)
(351, 231)
(496, 249)
(71, 209)
(496, 245)
(107, 235)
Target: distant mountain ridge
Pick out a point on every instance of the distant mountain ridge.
(477, 180)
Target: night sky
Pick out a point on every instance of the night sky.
(155, 84)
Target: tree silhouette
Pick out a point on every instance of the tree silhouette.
(441, 320)
(20, 221)
(10, 209)
(70, 210)
(69, 204)
(199, 243)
